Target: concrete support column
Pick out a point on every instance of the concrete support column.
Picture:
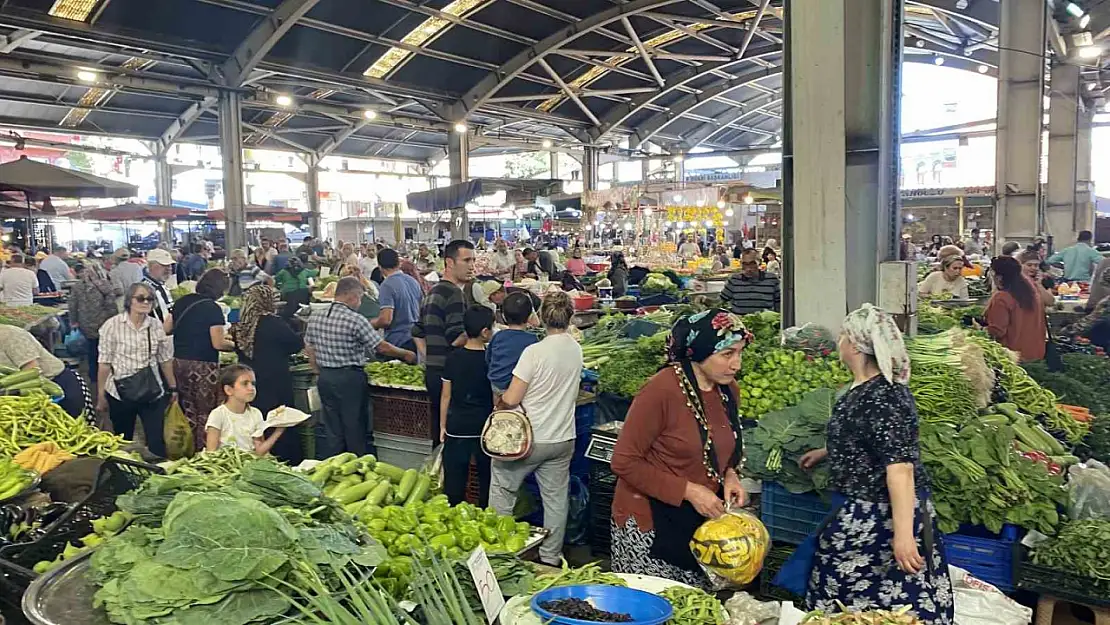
(841, 214)
(591, 160)
(680, 171)
(312, 191)
(1061, 215)
(163, 192)
(1021, 51)
(458, 156)
(231, 158)
(553, 159)
(1084, 186)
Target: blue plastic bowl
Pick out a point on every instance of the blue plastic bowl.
(644, 607)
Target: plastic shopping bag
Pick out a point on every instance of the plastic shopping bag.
(178, 433)
(1089, 491)
(979, 603)
(433, 466)
(76, 344)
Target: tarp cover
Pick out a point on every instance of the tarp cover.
(40, 180)
(457, 195)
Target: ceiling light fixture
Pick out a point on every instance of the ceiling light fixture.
(720, 203)
(677, 158)
(1091, 86)
(87, 75)
(983, 69)
(938, 60)
(1074, 9)
(370, 114)
(729, 213)
(1088, 52)
(460, 127)
(1085, 20)
(283, 100)
(748, 199)
(547, 144)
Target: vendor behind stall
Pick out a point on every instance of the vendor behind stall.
(949, 279)
(677, 455)
(1014, 314)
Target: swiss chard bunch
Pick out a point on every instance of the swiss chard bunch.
(773, 449)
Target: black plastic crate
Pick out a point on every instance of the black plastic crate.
(772, 564)
(1062, 584)
(116, 477)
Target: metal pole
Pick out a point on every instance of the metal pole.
(231, 156)
(458, 157)
(1062, 219)
(312, 191)
(30, 225)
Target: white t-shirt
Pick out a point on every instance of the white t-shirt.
(689, 250)
(936, 284)
(18, 284)
(553, 370)
(235, 429)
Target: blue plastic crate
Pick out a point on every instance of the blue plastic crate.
(788, 517)
(990, 557)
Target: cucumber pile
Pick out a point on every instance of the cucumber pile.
(26, 382)
(363, 485)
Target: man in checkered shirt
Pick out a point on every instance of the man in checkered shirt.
(339, 342)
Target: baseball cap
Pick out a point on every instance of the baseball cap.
(159, 256)
(122, 253)
(489, 287)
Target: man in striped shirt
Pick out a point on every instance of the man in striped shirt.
(752, 290)
(439, 328)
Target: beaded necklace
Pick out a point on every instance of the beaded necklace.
(694, 403)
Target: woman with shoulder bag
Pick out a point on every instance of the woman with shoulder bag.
(197, 325)
(133, 348)
(545, 385)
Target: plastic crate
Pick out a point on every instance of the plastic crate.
(1062, 584)
(772, 564)
(990, 557)
(791, 518)
(402, 451)
(116, 476)
(584, 417)
(400, 412)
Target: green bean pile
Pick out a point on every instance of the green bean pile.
(26, 421)
(222, 465)
(589, 574)
(693, 606)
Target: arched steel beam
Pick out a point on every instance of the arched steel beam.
(657, 122)
(749, 107)
(619, 113)
(262, 39)
(495, 80)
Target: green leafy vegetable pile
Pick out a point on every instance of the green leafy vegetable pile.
(774, 379)
(783, 436)
(656, 283)
(395, 374)
(200, 552)
(1081, 383)
(1081, 547)
(626, 373)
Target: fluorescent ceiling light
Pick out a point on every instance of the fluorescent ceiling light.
(77, 10)
(1074, 9)
(87, 75)
(1088, 52)
(1085, 20)
(283, 100)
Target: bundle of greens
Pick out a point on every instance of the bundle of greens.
(1080, 383)
(934, 320)
(952, 349)
(942, 394)
(201, 552)
(977, 478)
(1081, 547)
(1097, 442)
(625, 374)
(657, 283)
(765, 326)
(782, 437)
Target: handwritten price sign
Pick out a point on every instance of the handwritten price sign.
(489, 591)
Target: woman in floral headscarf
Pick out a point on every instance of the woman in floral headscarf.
(880, 548)
(677, 455)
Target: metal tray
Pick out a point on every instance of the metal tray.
(64, 596)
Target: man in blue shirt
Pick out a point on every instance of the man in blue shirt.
(1079, 260)
(399, 296)
(281, 260)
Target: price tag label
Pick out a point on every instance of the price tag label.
(489, 591)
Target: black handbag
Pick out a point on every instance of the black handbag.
(143, 387)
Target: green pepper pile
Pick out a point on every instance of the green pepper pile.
(452, 532)
(395, 374)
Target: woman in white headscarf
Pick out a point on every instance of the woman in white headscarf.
(880, 549)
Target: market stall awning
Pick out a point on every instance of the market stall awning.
(519, 192)
(39, 180)
(129, 212)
